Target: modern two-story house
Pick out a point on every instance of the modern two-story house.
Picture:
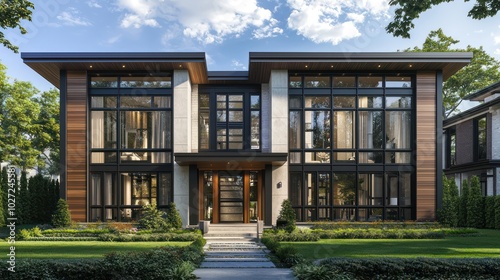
(344, 136)
(471, 141)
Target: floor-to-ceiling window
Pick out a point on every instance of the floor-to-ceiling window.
(130, 133)
(350, 146)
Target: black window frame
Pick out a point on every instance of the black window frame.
(247, 92)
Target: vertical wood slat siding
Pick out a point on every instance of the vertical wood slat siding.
(426, 146)
(76, 144)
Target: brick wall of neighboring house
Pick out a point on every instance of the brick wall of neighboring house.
(465, 143)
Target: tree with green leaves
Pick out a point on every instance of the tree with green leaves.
(483, 70)
(4, 186)
(173, 218)
(3, 202)
(12, 12)
(475, 204)
(448, 214)
(152, 218)
(462, 206)
(29, 125)
(286, 218)
(407, 11)
(62, 216)
(22, 200)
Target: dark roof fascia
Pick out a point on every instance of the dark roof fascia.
(113, 57)
(471, 112)
(361, 56)
(472, 166)
(227, 75)
(482, 93)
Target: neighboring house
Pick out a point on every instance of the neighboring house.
(472, 141)
(344, 136)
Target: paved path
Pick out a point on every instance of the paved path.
(239, 259)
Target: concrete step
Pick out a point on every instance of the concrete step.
(235, 255)
(236, 259)
(267, 264)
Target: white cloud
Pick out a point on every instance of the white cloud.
(94, 4)
(238, 65)
(332, 21)
(211, 21)
(70, 17)
(496, 39)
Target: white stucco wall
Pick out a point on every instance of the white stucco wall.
(278, 92)
(182, 140)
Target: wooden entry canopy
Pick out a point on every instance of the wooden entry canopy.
(231, 160)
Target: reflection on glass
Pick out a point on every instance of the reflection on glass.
(481, 138)
(370, 214)
(254, 205)
(370, 102)
(317, 157)
(324, 188)
(295, 130)
(317, 82)
(296, 188)
(398, 129)
(162, 102)
(317, 130)
(398, 102)
(204, 121)
(103, 102)
(343, 129)
(370, 81)
(295, 82)
(207, 196)
(371, 157)
(146, 130)
(346, 157)
(371, 130)
(165, 189)
(370, 190)
(344, 188)
(398, 82)
(145, 82)
(295, 157)
(317, 102)
(344, 102)
(104, 126)
(135, 101)
(344, 82)
(295, 102)
(310, 189)
(104, 82)
(255, 130)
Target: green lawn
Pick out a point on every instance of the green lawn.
(76, 249)
(485, 245)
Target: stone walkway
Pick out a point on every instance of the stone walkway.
(239, 258)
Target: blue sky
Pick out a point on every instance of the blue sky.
(227, 30)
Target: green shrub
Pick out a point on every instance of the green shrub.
(69, 238)
(153, 237)
(448, 214)
(497, 212)
(318, 272)
(270, 243)
(61, 217)
(24, 234)
(296, 236)
(419, 268)
(199, 243)
(489, 212)
(370, 225)
(475, 207)
(152, 218)
(174, 219)
(462, 204)
(286, 218)
(376, 233)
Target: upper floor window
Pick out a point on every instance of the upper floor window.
(229, 120)
(451, 146)
(481, 139)
(135, 80)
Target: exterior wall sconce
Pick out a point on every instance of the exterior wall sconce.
(279, 185)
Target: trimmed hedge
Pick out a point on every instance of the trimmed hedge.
(64, 238)
(371, 225)
(287, 255)
(156, 264)
(497, 212)
(296, 236)
(419, 268)
(376, 233)
(489, 212)
(150, 237)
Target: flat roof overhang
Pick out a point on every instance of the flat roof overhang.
(49, 65)
(232, 160)
(481, 94)
(261, 63)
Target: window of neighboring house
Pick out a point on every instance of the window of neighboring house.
(452, 147)
(481, 132)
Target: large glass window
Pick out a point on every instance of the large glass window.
(229, 120)
(351, 146)
(130, 123)
(451, 147)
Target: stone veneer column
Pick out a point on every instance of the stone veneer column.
(182, 140)
(278, 91)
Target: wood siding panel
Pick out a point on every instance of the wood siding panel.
(76, 143)
(426, 146)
